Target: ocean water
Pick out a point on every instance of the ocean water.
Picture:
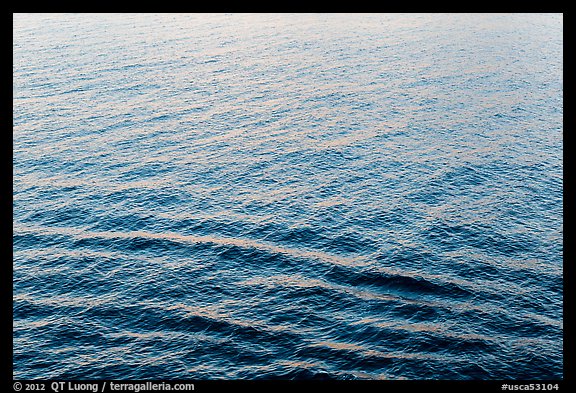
(259, 196)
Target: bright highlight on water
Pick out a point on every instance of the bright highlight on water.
(262, 196)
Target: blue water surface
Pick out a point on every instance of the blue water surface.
(255, 196)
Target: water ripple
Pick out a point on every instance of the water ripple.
(250, 196)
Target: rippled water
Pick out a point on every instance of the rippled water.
(287, 196)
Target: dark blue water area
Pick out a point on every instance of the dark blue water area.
(286, 196)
